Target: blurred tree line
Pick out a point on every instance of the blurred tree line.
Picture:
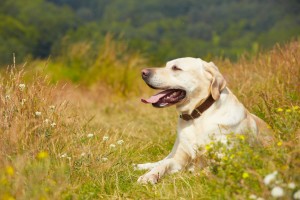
(160, 30)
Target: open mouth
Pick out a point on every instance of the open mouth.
(166, 98)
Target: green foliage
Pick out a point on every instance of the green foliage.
(161, 30)
(31, 28)
(239, 166)
(15, 37)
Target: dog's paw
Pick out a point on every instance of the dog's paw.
(148, 178)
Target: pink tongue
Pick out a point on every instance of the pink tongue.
(155, 98)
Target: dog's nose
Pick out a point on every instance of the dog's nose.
(146, 73)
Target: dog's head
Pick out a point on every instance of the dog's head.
(186, 82)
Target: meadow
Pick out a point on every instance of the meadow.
(69, 134)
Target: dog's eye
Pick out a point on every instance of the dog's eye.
(175, 68)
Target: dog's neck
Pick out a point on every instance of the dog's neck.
(197, 112)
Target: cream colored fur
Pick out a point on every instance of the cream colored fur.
(199, 79)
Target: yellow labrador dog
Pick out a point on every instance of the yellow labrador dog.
(206, 106)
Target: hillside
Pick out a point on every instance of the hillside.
(160, 30)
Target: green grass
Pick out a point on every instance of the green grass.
(41, 156)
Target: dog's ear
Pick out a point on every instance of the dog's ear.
(218, 82)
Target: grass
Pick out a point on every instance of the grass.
(61, 141)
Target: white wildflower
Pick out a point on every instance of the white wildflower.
(277, 192)
(53, 124)
(220, 155)
(7, 97)
(82, 154)
(47, 121)
(223, 139)
(270, 178)
(104, 159)
(252, 196)
(112, 146)
(90, 135)
(52, 107)
(23, 101)
(38, 113)
(105, 138)
(291, 185)
(120, 142)
(22, 87)
(297, 195)
(64, 155)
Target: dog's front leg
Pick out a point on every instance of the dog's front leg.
(179, 158)
(148, 166)
(168, 166)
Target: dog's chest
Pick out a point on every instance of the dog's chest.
(191, 132)
(200, 132)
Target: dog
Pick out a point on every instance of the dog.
(206, 106)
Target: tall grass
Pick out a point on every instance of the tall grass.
(69, 142)
(268, 82)
(112, 64)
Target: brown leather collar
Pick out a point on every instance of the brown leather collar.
(199, 110)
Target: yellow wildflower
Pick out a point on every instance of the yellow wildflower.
(42, 155)
(207, 147)
(242, 137)
(10, 170)
(285, 167)
(47, 189)
(245, 175)
(296, 107)
(279, 143)
(8, 197)
(3, 181)
(279, 109)
(288, 110)
(225, 158)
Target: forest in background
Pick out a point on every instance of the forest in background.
(159, 30)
